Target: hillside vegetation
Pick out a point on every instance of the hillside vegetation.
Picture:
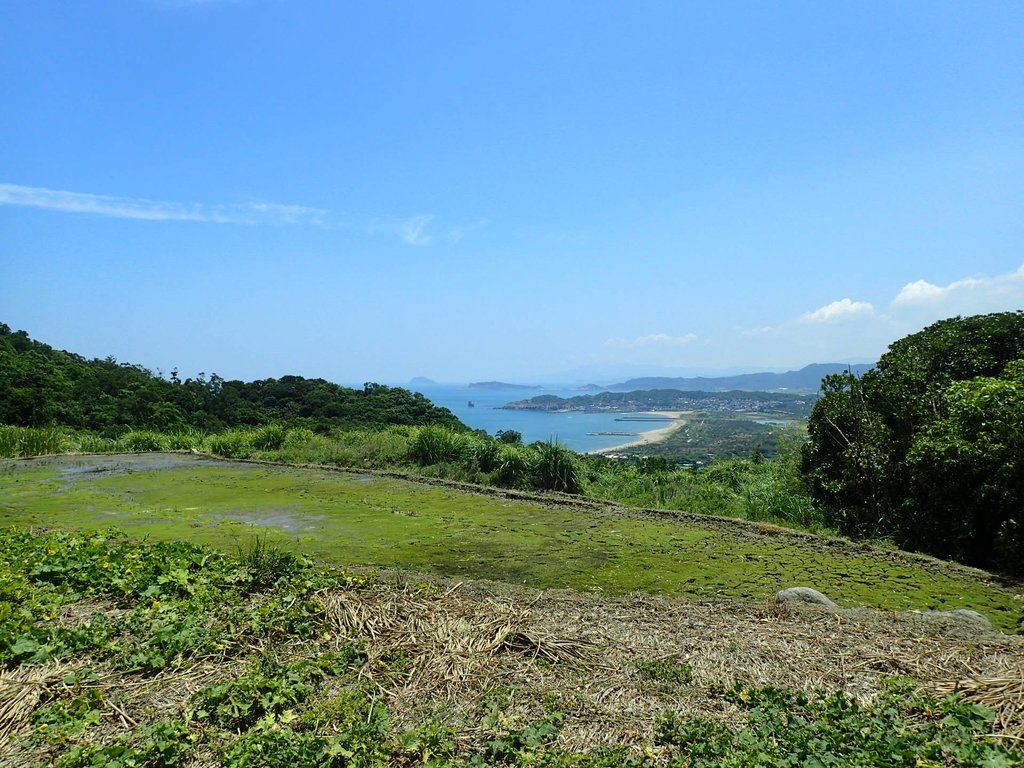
(42, 386)
(928, 448)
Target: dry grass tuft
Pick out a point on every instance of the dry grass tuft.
(1003, 694)
(450, 644)
(21, 691)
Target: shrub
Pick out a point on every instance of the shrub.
(509, 436)
(926, 447)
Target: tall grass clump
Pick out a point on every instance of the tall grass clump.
(267, 563)
(698, 492)
(269, 437)
(776, 492)
(138, 441)
(186, 440)
(373, 449)
(298, 437)
(16, 442)
(230, 445)
(90, 442)
(438, 445)
(558, 469)
(515, 466)
(486, 453)
(304, 446)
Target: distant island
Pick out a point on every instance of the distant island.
(502, 385)
(421, 381)
(735, 401)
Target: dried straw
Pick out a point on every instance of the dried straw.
(21, 690)
(1003, 694)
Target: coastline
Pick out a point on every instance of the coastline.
(650, 436)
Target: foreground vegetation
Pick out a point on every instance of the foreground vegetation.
(120, 654)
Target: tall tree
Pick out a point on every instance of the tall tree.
(923, 447)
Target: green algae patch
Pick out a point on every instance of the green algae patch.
(352, 519)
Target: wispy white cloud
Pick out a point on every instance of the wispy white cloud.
(412, 231)
(838, 310)
(966, 294)
(654, 340)
(456, 234)
(152, 210)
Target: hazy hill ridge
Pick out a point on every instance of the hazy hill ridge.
(807, 379)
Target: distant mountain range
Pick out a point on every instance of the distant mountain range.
(807, 379)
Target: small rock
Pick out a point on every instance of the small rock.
(805, 595)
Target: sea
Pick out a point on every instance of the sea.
(573, 430)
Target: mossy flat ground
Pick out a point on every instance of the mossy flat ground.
(366, 520)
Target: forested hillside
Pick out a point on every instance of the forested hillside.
(928, 449)
(42, 386)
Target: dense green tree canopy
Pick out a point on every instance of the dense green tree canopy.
(42, 386)
(929, 446)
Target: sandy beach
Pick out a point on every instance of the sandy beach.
(650, 436)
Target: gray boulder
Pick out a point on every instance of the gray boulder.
(963, 614)
(805, 595)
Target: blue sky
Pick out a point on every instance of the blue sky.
(517, 190)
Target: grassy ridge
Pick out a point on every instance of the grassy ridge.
(383, 522)
(761, 491)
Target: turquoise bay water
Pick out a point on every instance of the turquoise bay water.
(570, 429)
